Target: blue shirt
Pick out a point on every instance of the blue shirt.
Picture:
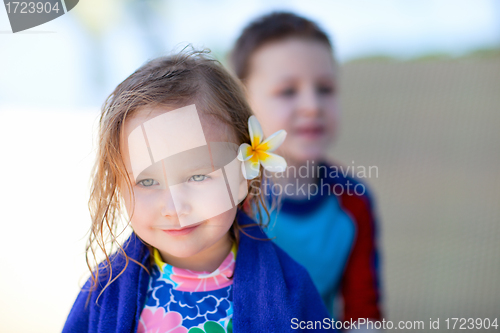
(318, 234)
(334, 236)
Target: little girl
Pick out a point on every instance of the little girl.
(195, 262)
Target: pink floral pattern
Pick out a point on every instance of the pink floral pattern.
(181, 299)
(160, 322)
(188, 280)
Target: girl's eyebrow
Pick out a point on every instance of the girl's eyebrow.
(200, 165)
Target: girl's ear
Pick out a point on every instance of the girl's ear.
(242, 190)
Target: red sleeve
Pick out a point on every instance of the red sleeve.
(360, 282)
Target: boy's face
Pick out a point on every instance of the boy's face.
(186, 180)
(292, 86)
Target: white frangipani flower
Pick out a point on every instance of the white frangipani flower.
(259, 152)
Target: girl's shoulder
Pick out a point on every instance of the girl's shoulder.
(117, 296)
(349, 180)
(125, 263)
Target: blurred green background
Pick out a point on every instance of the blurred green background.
(431, 125)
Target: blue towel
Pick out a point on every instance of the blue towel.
(270, 290)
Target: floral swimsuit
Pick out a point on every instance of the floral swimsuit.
(185, 301)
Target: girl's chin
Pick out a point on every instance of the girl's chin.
(182, 253)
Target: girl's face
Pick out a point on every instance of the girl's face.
(292, 86)
(155, 218)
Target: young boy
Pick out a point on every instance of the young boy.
(326, 219)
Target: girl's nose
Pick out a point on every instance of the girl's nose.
(173, 205)
(167, 203)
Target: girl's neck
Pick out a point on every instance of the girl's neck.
(207, 260)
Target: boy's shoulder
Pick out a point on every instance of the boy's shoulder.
(348, 179)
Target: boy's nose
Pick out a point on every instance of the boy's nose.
(309, 103)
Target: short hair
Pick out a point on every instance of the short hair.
(273, 27)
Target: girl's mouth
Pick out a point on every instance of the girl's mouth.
(181, 231)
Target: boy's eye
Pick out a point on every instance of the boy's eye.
(289, 92)
(325, 90)
(148, 182)
(198, 178)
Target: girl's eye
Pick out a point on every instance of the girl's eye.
(198, 178)
(148, 182)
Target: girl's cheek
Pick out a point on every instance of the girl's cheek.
(142, 204)
(145, 199)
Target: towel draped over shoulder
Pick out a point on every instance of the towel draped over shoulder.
(272, 293)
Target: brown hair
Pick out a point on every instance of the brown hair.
(270, 28)
(174, 80)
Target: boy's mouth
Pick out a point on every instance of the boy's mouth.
(310, 132)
